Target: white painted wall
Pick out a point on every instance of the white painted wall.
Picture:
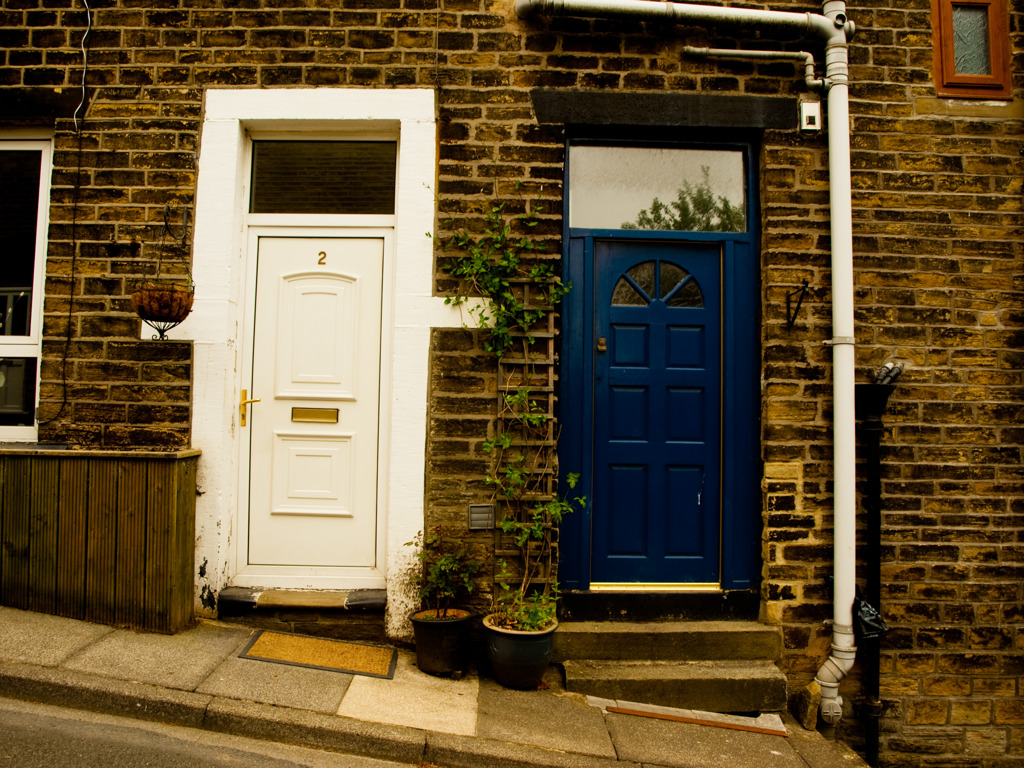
(216, 322)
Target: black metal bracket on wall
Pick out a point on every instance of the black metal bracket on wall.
(791, 312)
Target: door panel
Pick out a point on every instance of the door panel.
(657, 413)
(314, 433)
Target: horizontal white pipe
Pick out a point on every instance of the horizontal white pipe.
(741, 54)
(792, 22)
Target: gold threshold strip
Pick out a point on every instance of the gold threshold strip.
(632, 587)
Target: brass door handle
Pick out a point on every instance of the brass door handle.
(602, 345)
(244, 402)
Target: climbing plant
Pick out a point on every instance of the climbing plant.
(511, 294)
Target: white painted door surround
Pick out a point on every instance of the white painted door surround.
(223, 231)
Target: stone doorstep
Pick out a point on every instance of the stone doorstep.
(667, 640)
(712, 686)
(237, 600)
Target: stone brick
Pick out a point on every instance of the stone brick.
(928, 712)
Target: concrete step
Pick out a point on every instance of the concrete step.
(712, 686)
(668, 640)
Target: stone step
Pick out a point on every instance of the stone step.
(356, 615)
(666, 641)
(712, 686)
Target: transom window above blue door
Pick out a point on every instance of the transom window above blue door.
(657, 188)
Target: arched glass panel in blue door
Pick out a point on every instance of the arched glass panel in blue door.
(657, 413)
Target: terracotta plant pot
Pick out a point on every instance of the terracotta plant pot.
(518, 659)
(442, 645)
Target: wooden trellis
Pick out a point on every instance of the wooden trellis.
(528, 371)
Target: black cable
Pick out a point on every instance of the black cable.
(74, 228)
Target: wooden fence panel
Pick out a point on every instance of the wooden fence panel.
(43, 527)
(73, 500)
(99, 535)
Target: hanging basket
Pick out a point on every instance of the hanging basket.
(162, 305)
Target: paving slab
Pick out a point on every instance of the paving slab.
(819, 752)
(283, 685)
(452, 751)
(313, 729)
(181, 661)
(415, 699)
(67, 688)
(38, 638)
(553, 720)
(682, 745)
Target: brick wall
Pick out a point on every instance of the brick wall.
(938, 257)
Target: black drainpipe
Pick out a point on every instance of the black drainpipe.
(871, 400)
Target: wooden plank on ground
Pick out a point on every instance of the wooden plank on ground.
(767, 723)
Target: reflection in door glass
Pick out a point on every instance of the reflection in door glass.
(625, 295)
(697, 190)
(676, 286)
(643, 276)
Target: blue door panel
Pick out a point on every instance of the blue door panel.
(626, 533)
(683, 416)
(685, 528)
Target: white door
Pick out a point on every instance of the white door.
(313, 434)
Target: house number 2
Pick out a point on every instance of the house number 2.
(323, 257)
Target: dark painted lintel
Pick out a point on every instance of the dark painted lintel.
(40, 107)
(697, 110)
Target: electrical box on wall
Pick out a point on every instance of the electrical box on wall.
(810, 116)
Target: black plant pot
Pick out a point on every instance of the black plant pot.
(442, 645)
(518, 659)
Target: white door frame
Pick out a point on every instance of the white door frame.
(217, 318)
(247, 575)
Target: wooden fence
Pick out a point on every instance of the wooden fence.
(107, 537)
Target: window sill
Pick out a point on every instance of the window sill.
(1006, 109)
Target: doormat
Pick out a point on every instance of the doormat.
(319, 653)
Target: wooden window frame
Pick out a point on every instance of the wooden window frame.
(947, 81)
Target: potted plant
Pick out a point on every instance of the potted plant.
(444, 572)
(520, 630)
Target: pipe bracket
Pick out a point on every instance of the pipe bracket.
(839, 340)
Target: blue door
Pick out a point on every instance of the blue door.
(657, 413)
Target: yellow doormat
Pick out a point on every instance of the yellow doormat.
(318, 653)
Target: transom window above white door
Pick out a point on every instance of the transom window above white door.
(323, 177)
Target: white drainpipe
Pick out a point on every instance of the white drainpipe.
(833, 27)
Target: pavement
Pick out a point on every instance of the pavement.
(196, 679)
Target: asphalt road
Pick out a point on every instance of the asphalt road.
(38, 736)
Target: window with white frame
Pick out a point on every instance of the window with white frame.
(24, 200)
